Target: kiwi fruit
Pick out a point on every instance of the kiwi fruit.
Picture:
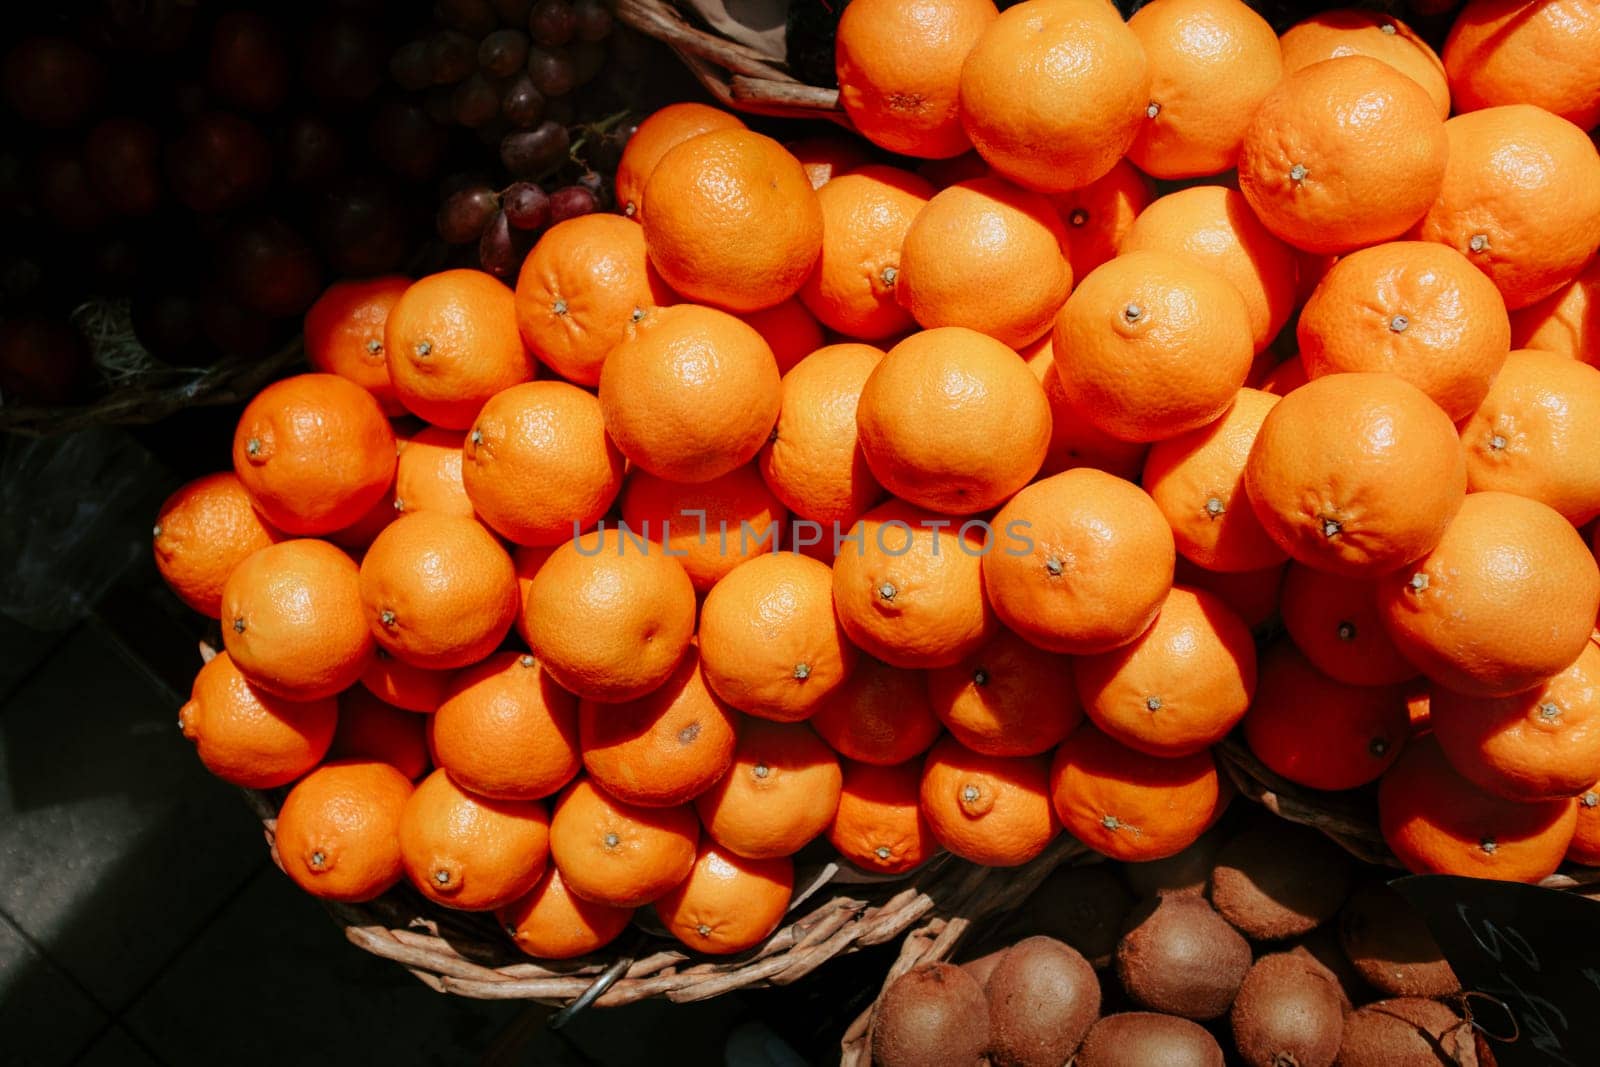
(1321, 950)
(934, 1014)
(1043, 997)
(1183, 872)
(983, 966)
(1082, 906)
(1391, 946)
(1148, 1039)
(1289, 1011)
(1276, 880)
(1405, 1032)
(1177, 955)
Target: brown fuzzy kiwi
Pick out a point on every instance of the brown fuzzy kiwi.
(1405, 1032)
(1082, 906)
(1321, 949)
(1391, 946)
(1148, 1039)
(1288, 1013)
(1276, 880)
(1179, 956)
(983, 966)
(934, 1014)
(1043, 997)
(1188, 871)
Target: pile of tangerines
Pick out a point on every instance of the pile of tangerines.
(938, 500)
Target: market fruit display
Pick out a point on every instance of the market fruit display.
(1189, 961)
(865, 506)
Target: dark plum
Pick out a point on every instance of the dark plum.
(42, 361)
(248, 64)
(123, 156)
(311, 151)
(62, 189)
(364, 227)
(219, 162)
(341, 60)
(51, 81)
(269, 267)
(405, 137)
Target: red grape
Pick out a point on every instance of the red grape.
(531, 153)
(552, 22)
(411, 66)
(248, 65)
(269, 267)
(497, 248)
(552, 71)
(341, 62)
(51, 81)
(503, 53)
(124, 161)
(454, 55)
(521, 104)
(476, 17)
(526, 206)
(218, 163)
(465, 214)
(408, 140)
(570, 201)
(475, 102)
(311, 151)
(593, 20)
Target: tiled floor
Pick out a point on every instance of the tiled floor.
(142, 923)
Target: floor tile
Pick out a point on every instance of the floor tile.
(116, 1048)
(273, 965)
(115, 845)
(44, 1018)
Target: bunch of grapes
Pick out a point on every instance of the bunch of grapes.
(507, 70)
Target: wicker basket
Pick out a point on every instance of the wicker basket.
(1350, 819)
(737, 75)
(156, 393)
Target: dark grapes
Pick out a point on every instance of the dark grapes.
(521, 103)
(593, 20)
(475, 101)
(552, 22)
(497, 248)
(42, 361)
(171, 326)
(526, 206)
(503, 53)
(439, 103)
(248, 65)
(411, 66)
(570, 201)
(152, 27)
(560, 110)
(552, 71)
(454, 55)
(588, 58)
(476, 17)
(466, 213)
(532, 153)
(233, 329)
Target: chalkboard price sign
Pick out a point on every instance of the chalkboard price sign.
(1535, 951)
